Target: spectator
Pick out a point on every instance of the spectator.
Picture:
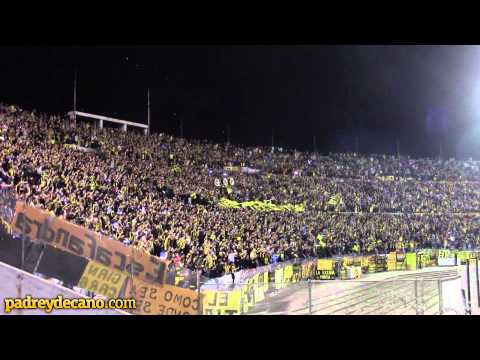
(158, 194)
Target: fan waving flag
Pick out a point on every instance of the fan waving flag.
(334, 200)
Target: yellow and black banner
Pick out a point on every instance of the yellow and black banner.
(154, 299)
(260, 205)
(392, 261)
(222, 302)
(325, 269)
(101, 279)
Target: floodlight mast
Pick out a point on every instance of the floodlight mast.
(75, 97)
(148, 110)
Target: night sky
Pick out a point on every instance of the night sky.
(426, 97)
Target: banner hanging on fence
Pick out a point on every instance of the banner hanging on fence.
(325, 264)
(162, 300)
(40, 226)
(101, 279)
(411, 261)
(222, 302)
(392, 261)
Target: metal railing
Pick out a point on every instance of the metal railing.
(337, 297)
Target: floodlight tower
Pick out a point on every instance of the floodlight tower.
(75, 97)
(148, 110)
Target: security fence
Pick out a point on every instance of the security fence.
(387, 297)
(338, 297)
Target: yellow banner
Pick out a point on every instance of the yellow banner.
(325, 264)
(259, 205)
(101, 279)
(386, 178)
(308, 271)
(392, 261)
(162, 300)
(334, 200)
(259, 287)
(444, 253)
(265, 282)
(288, 273)
(248, 294)
(221, 302)
(347, 261)
(357, 260)
(365, 261)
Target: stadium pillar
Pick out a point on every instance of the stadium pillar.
(100, 124)
(124, 127)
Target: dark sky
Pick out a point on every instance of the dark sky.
(422, 96)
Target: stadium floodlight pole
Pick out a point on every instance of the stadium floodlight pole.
(148, 110)
(398, 148)
(228, 133)
(75, 97)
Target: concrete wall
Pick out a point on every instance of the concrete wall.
(15, 283)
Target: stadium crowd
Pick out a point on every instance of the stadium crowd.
(161, 194)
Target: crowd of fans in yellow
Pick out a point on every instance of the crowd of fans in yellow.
(162, 194)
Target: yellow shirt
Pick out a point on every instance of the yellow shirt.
(181, 243)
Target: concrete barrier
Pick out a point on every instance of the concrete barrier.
(15, 283)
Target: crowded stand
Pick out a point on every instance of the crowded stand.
(162, 194)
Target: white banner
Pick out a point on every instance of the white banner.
(446, 261)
